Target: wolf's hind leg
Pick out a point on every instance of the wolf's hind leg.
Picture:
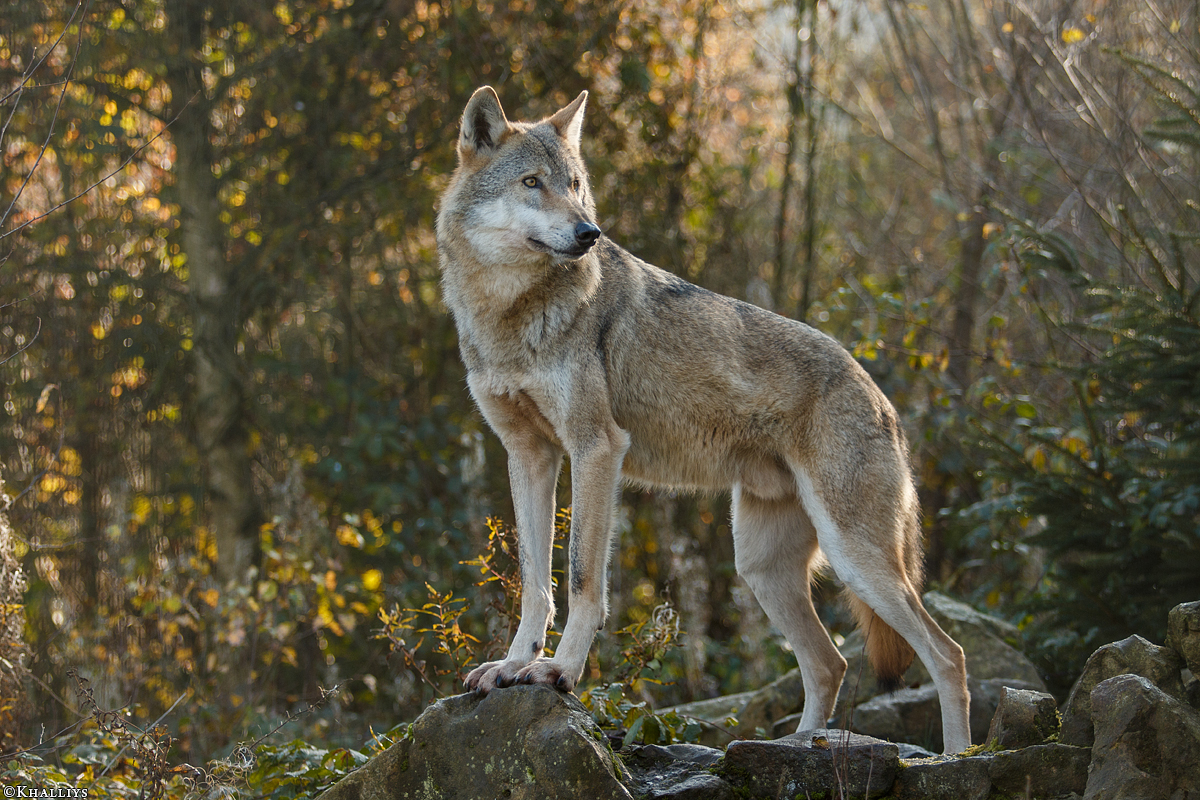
(775, 546)
(866, 543)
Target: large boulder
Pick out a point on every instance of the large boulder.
(1147, 743)
(1132, 656)
(528, 742)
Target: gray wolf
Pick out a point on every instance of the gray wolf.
(575, 347)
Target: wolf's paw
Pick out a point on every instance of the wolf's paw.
(493, 675)
(548, 672)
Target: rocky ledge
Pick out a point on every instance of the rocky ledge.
(1129, 729)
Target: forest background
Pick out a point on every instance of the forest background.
(237, 438)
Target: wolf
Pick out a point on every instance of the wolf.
(575, 347)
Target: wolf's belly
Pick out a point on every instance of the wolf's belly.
(700, 464)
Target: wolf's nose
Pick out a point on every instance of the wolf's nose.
(586, 234)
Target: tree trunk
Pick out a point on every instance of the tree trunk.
(966, 299)
(219, 427)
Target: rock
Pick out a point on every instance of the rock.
(785, 726)
(906, 715)
(1044, 770)
(1133, 656)
(779, 698)
(1191, 690)
(911, 751)
(678, 772)
(915, 715)
(1023, 718)
(993, 647)
(1147, 743)
(824, 762)
(956, 779)
(521, 742)
(1183, 633)
(715, 711)
(754, 711)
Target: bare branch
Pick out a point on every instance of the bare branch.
(50, 133)
(35, 66)
(119, 167)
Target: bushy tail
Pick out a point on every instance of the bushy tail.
(888, 653)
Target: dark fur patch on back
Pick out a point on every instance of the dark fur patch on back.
(678, 287)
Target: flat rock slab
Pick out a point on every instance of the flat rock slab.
(675, 772)
(1044, 770)
(814, 764)
(945, 779)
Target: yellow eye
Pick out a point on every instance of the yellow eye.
(531, 182)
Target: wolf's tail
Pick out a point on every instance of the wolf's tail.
(890, 655)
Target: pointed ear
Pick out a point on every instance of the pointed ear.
(484, 125)
(569, 121)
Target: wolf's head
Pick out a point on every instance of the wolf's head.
(520, 194)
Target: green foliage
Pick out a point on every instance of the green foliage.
(106, 767)
(1109, 491)
(635, 721)
(437, 619)
(1114, 498)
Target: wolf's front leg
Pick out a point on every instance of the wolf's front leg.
(595, 472)
(533, 465)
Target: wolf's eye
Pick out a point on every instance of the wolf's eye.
(575, 184)
(532, 182)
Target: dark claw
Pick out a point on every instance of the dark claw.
(563, 683)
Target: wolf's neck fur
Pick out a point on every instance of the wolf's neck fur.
(538, 305)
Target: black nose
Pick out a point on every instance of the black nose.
(586, 234)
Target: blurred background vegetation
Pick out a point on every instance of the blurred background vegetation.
(235, 423)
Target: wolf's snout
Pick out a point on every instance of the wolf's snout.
(586, 234)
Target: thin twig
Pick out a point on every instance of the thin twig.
(53, 120)
(27, 345)
(35, 67)
(120, 167)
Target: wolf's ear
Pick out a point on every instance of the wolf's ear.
(483, 123)
(569, 121)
